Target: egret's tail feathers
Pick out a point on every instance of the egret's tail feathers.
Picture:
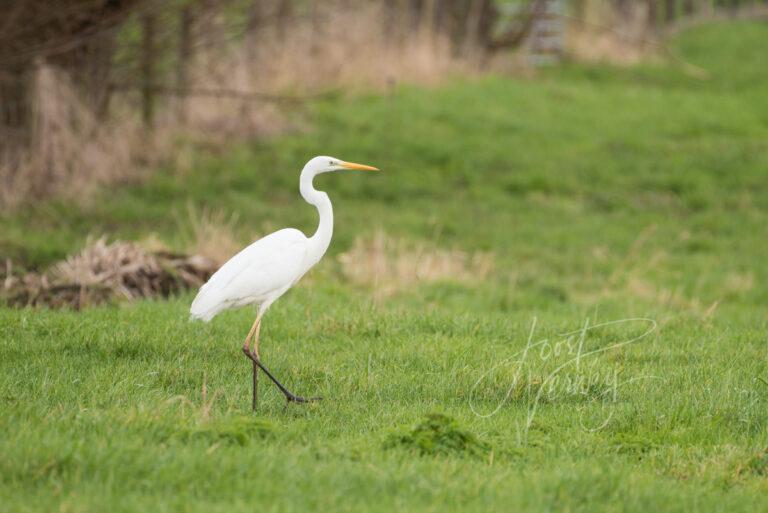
(205, 317)
(205, 307)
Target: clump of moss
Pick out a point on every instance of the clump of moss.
(234, 431)
(758, 464)
(438, 434)
(626, 443)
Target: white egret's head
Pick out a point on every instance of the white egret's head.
(327, 164)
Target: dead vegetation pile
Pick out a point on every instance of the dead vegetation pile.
(104, 272)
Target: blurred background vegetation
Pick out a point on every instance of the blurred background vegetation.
(181, 125)
(92, 92)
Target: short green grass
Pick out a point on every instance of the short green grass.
(604, 194)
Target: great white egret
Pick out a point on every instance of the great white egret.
(266, 269)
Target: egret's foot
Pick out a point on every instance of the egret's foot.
(298, 399)
(289, 396)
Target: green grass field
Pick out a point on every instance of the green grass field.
(604, 195)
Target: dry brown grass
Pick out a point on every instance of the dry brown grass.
(71, 151)
(349, 47)
(211, 234)
(389, 265)
(633, 278)
(605, 36)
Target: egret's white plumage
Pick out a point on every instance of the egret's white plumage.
(259, 274)
(266, 269)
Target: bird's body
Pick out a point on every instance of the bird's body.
(268, 268)
(259, 274)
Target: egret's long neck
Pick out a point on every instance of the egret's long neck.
(322, 237)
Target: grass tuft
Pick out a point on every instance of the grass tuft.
(238, 430)
(758, 464)
(438, 434)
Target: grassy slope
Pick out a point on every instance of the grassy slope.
(604, 194)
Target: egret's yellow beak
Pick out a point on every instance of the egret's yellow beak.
(359, 167)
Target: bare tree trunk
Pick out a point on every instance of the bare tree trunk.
(441, 17)
(428, 8)
(253, 27)
(653, 16)
(472, 30)
(148, 70)
(44, 124)
(17, 83)
(182, 66)
(670, 10)
(315, 20)
(624, 8)
(579, 9)
(391, 14)
(284, 15)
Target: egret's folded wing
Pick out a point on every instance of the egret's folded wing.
(266, 266)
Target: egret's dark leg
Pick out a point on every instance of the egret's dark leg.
(254, 395)
(246, 349)
(255, 388)
(289, 396)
